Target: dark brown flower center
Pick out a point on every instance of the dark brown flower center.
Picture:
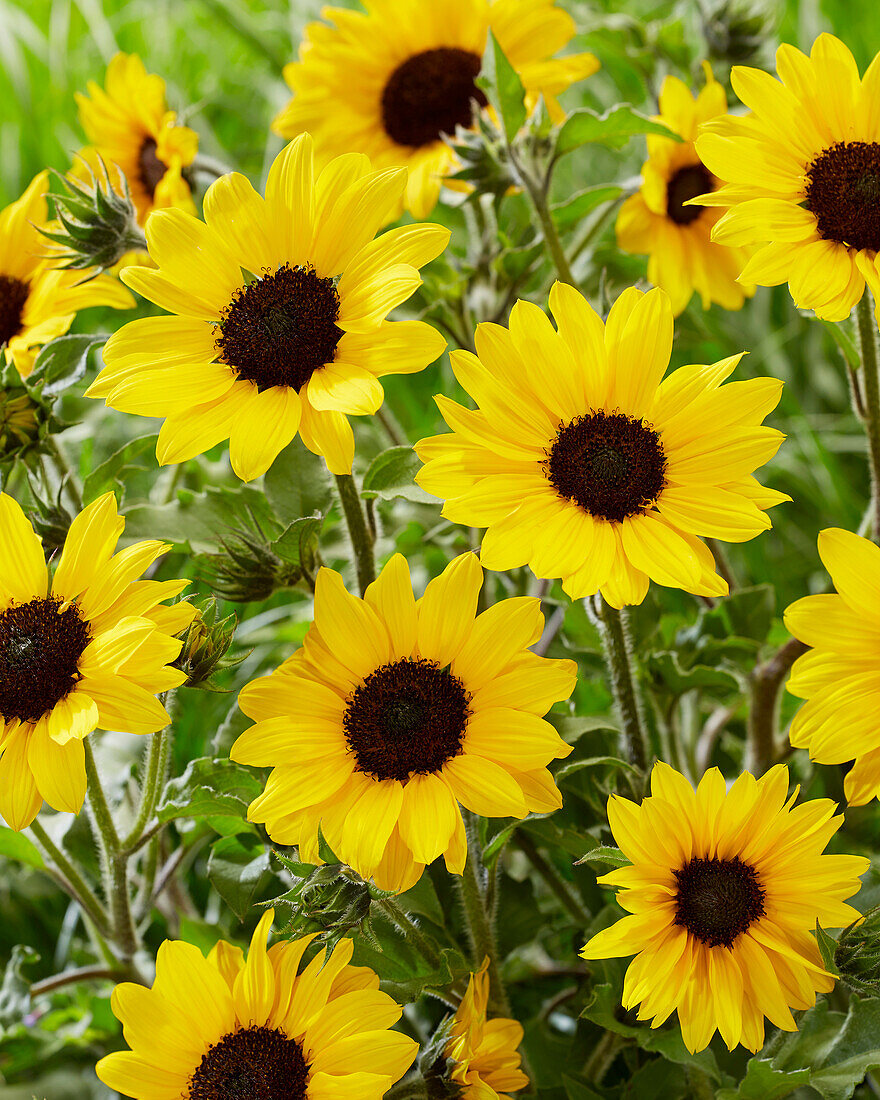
(611, 465)
(13, 296)
(686, 184)
(430, 94)
(151, 170)
(280, 328)
(718, 899)
(843, 192)
(40, 649)
(407, 717)
(256, 1063)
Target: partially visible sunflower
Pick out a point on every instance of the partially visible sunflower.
(39, 302)
(484, 1051)
(801, 176)
(128, 124)
(397, 709)
(278, 310)
(584, 465)
(840, 676)
(390, 81)
(266, 1027)
(724, 893)
(655, 220)
(90, 650)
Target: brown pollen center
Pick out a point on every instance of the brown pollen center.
(430, 94)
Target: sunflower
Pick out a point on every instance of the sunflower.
(394, 711)
(390, 81)
(723, 893)
(585, 466)
(129, 125)
(38, 302)
(267, 1027)
(801, 176)
(840, 677)
(656, 221)
(484, 1052)
(89, 651)
(279, 309)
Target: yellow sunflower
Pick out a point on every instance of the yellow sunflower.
(840, 677)
(484, 1052)
(38, 302)
(267, 1027)
(724, 891)
(584, 465)
(397, 709)
(90, 650)
(391, 80)
(129, 125)
(278, 313)
(655, 220)
(801, 176)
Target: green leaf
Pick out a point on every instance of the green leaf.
(209, 788)
(594, 762)
(404, 973)
(111, 473)
(297, 484)
(843, 334)
(763, 1082)
(856, 1050)
(297, 543)
(392, 474)
(827, 949)
(605, 854)
(16, 846)
(238, 867)
(63, 362)
(503, 87)
(574, 210)
(614, 128)
(666, 672)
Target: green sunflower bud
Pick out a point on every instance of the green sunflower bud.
(436, 1068)
(331, 900)
(737, 31)
(857, 954)
(485, 164)
(205, 649)
(248, 569)
(96, 221)
(20, 420)
(50, 519)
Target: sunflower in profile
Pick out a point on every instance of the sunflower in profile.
(840, 676)
(269, 1027)
(586, 464)
(486, 1064)
(391, 80)
(802, 176)
(724, 891)
(39, 302)
(656, 221)
(394, 712)
(128, 124)
(278, 313)
(89, 650)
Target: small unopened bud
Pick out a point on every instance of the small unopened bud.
(205, 650)
(50, 519)
(857, 955)
(330, 900)
(20, 420)
(248, 569)
(96, 221)
(737, 31)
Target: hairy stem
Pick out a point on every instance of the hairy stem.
(71, 879)
(80, 974)
(867, 329)
(602, 1056)
(361, 539)
(619, 658)
(410, 930)
(766, 683)
(473, 883)
(537, 192)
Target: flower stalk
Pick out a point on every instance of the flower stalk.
(616, 643)
(472, 884)
(867, 334)
(359, 532)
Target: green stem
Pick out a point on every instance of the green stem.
(537, 193)
(361, 539)
(153, 781)
(619, 658)
(80, 974)
(114, 862)
(552, 879)
(602, 1056)
(765, 686)
(65, 473)
(867, 329)
(410, 930)
(71, 879)
(472, 884)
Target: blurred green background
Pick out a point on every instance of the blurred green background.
(222, 60)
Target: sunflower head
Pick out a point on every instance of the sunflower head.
(801, 176)
(480, 1054)
(270, 1025)
(129, 125)
(88, 649)
(723, 895)
(394, 712)
(659, 219)
(277, 313)
(22, 417)
(395, 80)
(585, 463)
(838, 675)
(38, 302)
